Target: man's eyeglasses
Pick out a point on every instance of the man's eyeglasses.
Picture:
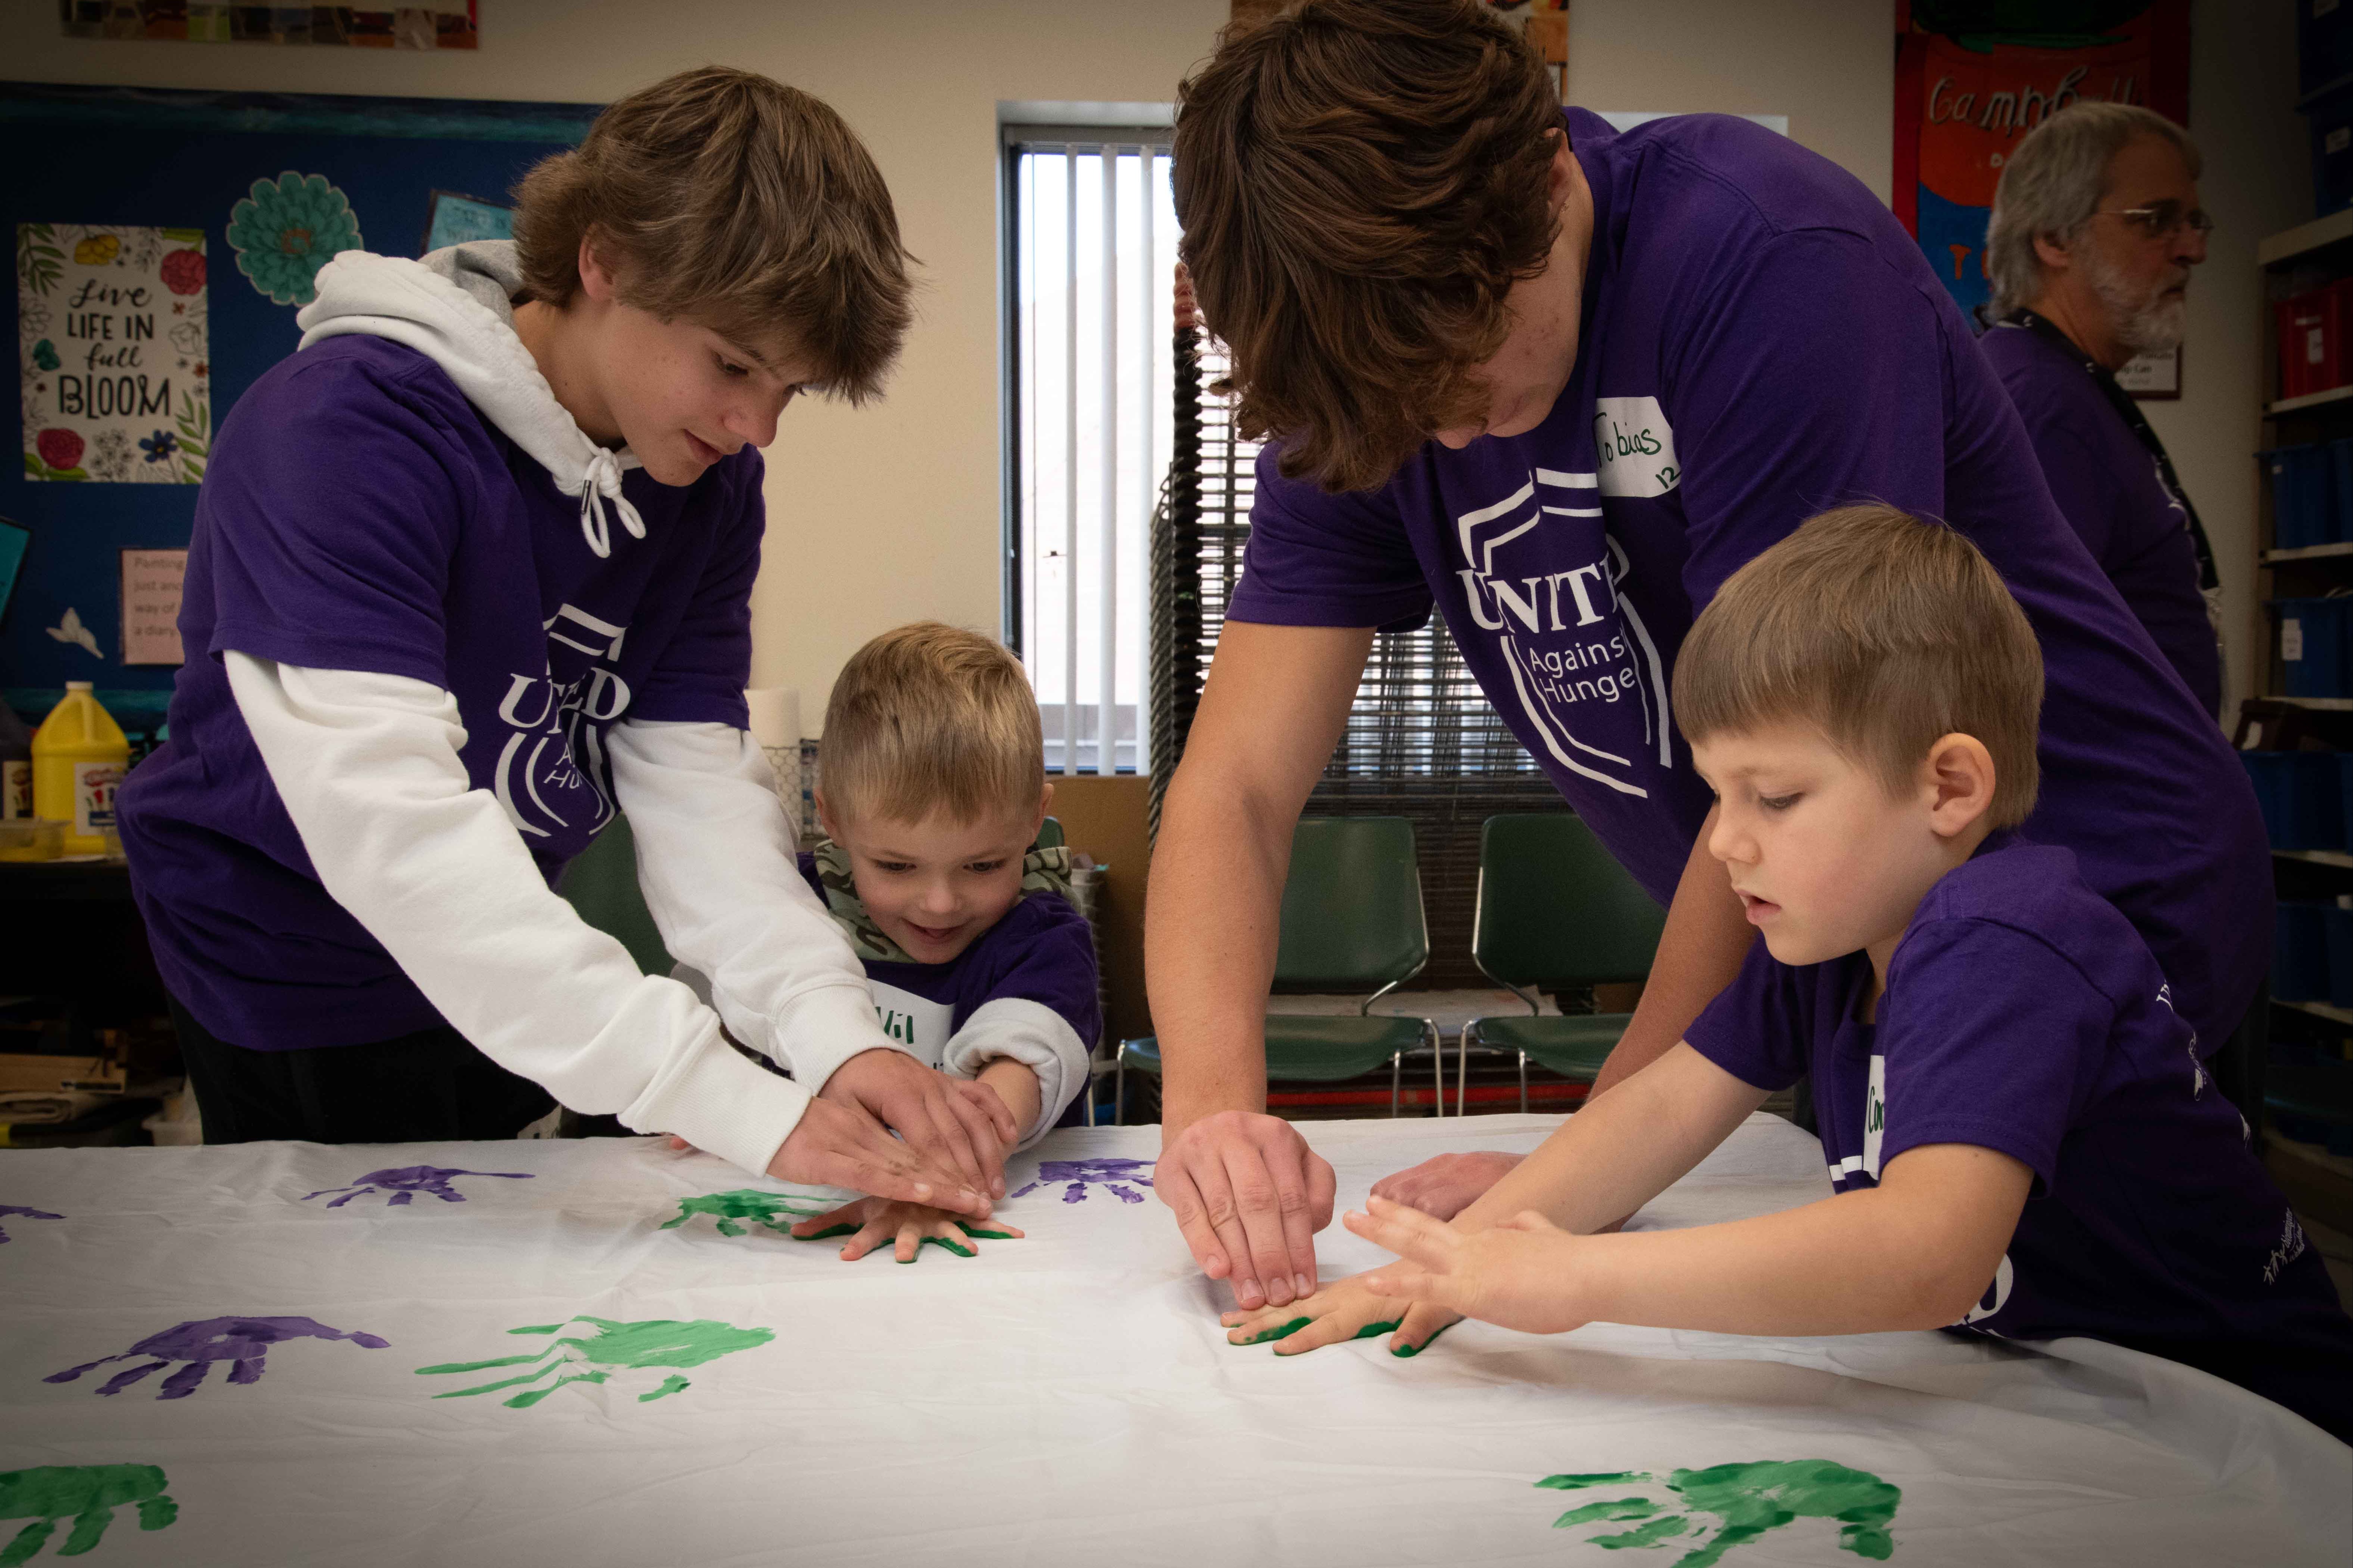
(2163, 220)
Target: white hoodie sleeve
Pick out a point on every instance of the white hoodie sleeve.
(368, 768)
(1035, 1035)
(716, 860)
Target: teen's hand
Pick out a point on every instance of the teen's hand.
(870, 1222)
(842, 1146)
(1250, 1195)
(1445, 1184)
(1344, 1310)
(1521, 1274)
(954, 1123)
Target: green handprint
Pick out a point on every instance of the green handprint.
(1744, 1502)
(87, 1494)
(611, 1347)
(771, 1211)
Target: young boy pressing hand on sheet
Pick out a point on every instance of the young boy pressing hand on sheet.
(934, 790)
(2021, 1138)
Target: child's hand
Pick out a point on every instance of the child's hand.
(1344, 1310)
(870, 1222)
(1521, 1274)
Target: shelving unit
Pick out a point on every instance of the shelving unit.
(2299, 259)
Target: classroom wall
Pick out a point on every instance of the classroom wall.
(886, 514)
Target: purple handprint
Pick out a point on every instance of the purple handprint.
(1110, 1173)
(404, 1182)
(242, 1340)
(8, 1209)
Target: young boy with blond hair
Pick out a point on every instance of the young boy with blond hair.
(2022, 1140)
(934, 788)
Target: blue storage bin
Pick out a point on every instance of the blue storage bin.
(2339, 526)
(2323, 44)
(2302, 796)
(2330, 121)
(2306, 494)
(2338, 925)
(2313, 645)
(2300, 952)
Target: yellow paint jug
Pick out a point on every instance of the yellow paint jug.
(80, 755)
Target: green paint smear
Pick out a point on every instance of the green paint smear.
(830, 1232)
(1649, 1534)
(1415, 1349)
(1375, 1331)
(87, 1494)
(1280, 1331)
(1575, 1482)
(1742, 1503)
(612, 1347)
(771, 1211)
(1616, 1509)
(986, 1235)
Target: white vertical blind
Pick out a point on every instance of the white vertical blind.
(1093, 237)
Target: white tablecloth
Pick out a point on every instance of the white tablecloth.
(1066, 1399)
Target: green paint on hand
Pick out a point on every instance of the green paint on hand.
(1617, 1509)
(771, 1211)
(87, 1494)
(611, 1347)
(1416, 1350)
(1742, 1503)
(1375, 1331)
(1281, 1331)
(985, 1235)
(944, 1245)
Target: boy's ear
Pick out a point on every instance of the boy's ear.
(1960, 777)
(596, 278)
(1045, 804)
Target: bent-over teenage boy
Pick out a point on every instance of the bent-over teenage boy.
(2023, 1139)
(470, 572)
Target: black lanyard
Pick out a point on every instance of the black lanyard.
(2209, 580)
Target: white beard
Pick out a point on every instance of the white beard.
(2145, 321)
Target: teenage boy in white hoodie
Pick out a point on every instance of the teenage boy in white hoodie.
(470, 572)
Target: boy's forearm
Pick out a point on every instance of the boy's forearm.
(1617, 1155)
(1015, 1083)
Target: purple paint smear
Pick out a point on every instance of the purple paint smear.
(1082, 1173)
(242, 1342)
(8, 1209)
(404, 1182)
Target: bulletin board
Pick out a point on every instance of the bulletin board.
(129, 202)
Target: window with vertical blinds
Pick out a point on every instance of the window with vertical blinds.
(1421, 742)
(1090, 253)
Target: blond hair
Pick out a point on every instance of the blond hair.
(738, 202)
(1884, 631)
(930, 718)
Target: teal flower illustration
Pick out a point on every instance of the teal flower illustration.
(287, 229)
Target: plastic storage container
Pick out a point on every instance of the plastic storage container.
(2303, 795)
(80, 755)
(2312, 645)
(2311, 341)
(2329, 119)
(2306, 494)
(2300, 952)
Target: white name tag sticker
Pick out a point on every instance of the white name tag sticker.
(2292, 639)
(1875, 1116)
(915, 1022)
(1634, 447)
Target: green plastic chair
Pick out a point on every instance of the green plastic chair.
(1352, 921)
(602, 884)
(1555, 910)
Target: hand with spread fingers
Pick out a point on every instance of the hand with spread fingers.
(1250, 1195)
(1445, 1184)
(954, 1124)
(1519, 1274)
(1344, 1310)
(875, 1222)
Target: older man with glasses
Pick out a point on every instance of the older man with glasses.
(2093, 232)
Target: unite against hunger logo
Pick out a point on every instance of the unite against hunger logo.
(551, 773)
(1542, 576)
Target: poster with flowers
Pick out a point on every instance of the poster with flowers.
(111, 350)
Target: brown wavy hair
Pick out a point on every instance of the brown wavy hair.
(1360, 183)
(740, 203)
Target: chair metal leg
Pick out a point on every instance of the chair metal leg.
(1523, 1083)
(1397, 1068)
(1437, 1070)
(1119, 1092)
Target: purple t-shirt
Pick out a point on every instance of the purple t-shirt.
(359, 514)
(1041, 951)
(2024, 1014)
(1762, 341)
(2109, 488)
